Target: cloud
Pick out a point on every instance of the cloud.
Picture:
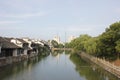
(9, 22)
(76, 29)
(23, 4)
(25, 15)
(117, 10)
(80, 28)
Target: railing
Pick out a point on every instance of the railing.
(104, 64)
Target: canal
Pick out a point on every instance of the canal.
(56, 66)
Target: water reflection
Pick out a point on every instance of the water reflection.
(10, 72)
(90, 71)
(56, 66)
(56, 52)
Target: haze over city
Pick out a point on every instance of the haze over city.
(46, 18)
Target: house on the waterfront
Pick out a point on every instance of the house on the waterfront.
(16, 49)
(38, 42)
(24, 46)
(20, 47)
(8, 49)
(45, 43)
(28, 41)
(21, 43)
(33, 47)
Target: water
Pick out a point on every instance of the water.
(54, 67)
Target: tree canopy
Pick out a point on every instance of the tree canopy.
(106, 44)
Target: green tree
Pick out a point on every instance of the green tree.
(78, 43)
(105, 45)
(109, 38)
(54, 43)
(60, 45)
(91, 46)
(118, 46)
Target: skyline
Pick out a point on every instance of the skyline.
(45, 19)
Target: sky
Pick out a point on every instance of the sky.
(45, 19)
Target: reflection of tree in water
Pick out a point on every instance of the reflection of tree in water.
(90, 71)
(68, 52)
(56, 52)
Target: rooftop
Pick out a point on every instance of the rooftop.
(6, 44)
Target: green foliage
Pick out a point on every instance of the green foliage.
(107, 44)
(54, 43)
(43, 50)
(78, 43)
(91, 46)
(118, 46)
(109, 40)
(68, 45)
(60, 45)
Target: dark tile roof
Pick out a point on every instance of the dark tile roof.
(21, 40)
(9, 45)
(8, 39)
(1, 39)
(6, 44)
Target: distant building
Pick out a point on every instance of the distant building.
(71, 38)
(57, 39)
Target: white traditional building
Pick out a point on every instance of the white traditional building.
(24, 46)
(17, 42)
(38, 42)
(28, 41)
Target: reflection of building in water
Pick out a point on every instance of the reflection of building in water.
(71, 38)
(25, 64)
(57, 39)
(30, 67)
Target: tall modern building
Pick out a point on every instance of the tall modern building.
(57, 39)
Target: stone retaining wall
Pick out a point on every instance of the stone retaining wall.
(115, 70)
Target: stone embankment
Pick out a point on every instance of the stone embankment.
(115, 70)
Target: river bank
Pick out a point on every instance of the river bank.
(115, 70)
